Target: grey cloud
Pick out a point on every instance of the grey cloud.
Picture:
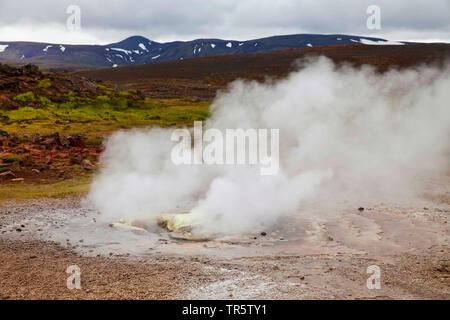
(181, 19)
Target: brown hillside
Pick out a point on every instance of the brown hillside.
(202, 77)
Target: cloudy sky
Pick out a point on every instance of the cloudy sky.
(106, 21)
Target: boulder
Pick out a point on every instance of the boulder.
(77, 141)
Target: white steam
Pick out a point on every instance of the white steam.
(346, 134)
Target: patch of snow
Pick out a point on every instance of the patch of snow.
(199, 50)
(107, 49)
(142, 46)
(381, 42)
(3, 47)
(114, 65)
(121, 50)
(181, 58)
(213, 45)
(256, 44)
(109, 59)
(22, 57)
(119, 55)
(339, 39)
(136, 51)
(62, 48)
(229, 44)
(309, 45)
(156, 57)
(353, 40)
(47, 47)
(241, 44)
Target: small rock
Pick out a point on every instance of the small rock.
(76, 141)
(19, 230)
(7, 174)
(64, 141)
(263, 234)
(35, 171)
(330, 238)
(267, 244)
(360, 209)
(87, 165)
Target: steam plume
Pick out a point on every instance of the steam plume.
(345, 134)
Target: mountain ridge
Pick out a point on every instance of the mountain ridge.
(136, 50)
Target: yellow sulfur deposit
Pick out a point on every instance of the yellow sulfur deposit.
(173, 221)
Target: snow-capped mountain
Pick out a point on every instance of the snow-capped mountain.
(140, 50)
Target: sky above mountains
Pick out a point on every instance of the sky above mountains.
(106, 21)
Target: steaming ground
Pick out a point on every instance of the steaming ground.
(349, 138)
(346, 135)
(319, 255)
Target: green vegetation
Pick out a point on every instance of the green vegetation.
(45, 83)
(4, 169)
(108, 112)
(25, 97)
(75, 186)
(27, 113)
(12, 158)
(45, 101)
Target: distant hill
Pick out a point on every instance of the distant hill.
(202, 77)
(139, 50)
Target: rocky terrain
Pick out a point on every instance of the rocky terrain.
(30, 79)
(40, 157)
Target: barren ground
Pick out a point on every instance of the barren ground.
(202, 77)
(324, 257)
